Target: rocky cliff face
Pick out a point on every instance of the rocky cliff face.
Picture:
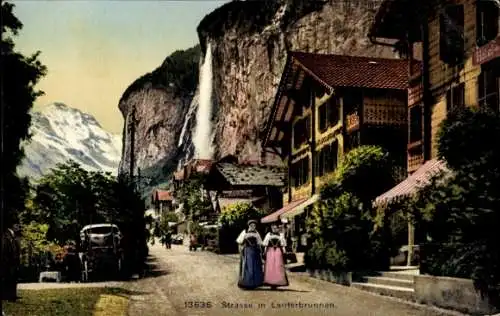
(154, 107)
(248, 63)
(249, 41)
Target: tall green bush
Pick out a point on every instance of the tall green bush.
(342, 223)
(461, 211)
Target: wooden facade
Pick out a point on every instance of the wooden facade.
(460, 54)
(327, 105)
(230, 181)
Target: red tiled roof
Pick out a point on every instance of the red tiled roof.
(355, 71)
(162, 195)
(202, 165)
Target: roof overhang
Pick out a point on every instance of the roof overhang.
(278, 124)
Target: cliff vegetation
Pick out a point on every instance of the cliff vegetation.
(178, 71)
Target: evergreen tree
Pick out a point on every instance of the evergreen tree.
(20, 75)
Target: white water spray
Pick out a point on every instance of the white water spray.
(203, 131)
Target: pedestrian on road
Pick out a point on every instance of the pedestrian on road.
(274, 268)
(168, 239)
(193, 242)
(72, 263)
(251, 275)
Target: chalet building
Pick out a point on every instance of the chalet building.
(325, 106)
(458, 45)
(162, 201)
(230, 181)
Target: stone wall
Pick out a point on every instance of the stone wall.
(452, 293)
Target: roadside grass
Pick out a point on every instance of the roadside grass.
(70, 302)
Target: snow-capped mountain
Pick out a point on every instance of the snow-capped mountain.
(60, 133)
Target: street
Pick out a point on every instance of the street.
(203, 283)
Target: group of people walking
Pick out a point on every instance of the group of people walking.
(253, 250)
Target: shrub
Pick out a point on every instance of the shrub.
(461, 212)
(463, 138)
(342, 222)
(365, 171)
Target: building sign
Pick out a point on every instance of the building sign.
(487, 52)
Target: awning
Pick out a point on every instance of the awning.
(420, 178)
(299, 209)
(295, 206)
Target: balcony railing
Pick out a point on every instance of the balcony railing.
(385, 114)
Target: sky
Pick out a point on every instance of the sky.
(95, 49)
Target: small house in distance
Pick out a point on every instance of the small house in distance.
(231, 182)
(191, 168)
(325, 106)
(162, 201)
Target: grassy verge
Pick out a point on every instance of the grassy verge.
(70, 301)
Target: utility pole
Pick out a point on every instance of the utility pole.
(132, 144)
(2, 187)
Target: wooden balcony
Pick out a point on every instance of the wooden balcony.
(384, 114)
(352, 121)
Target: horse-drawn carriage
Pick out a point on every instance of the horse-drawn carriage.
(101, 250)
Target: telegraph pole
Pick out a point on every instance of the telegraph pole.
(132, 144)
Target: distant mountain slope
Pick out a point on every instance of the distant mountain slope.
(60, 133)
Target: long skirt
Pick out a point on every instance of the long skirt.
(274, 269)
(251, 275)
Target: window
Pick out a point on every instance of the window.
(455, 97)
(327, 158)
(451, 34)
(415, 123)
(301, 131)
(329, 114)
(489, 90)
(300, 172)
(487, 14)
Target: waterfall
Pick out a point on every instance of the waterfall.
(203, 132)
(187, 119)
